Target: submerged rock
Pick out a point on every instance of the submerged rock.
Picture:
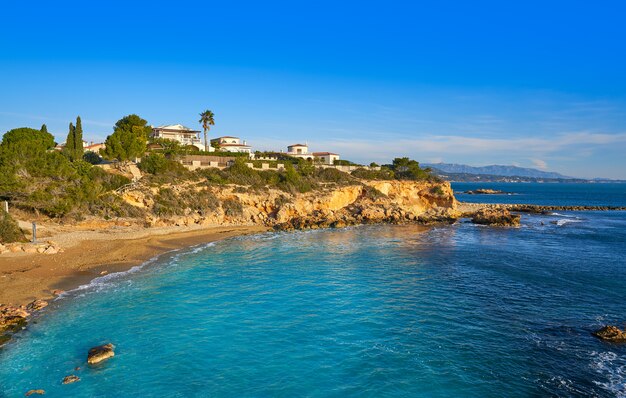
(496, 217)
(611, 333)
(100, 353)
(31, 392)
(70, 379)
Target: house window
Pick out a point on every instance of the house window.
(299, 150)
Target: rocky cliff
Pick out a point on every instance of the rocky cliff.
(330, 206)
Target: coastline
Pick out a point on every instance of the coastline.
(25, 277)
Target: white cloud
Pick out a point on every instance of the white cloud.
(540, 164)
(458, 148)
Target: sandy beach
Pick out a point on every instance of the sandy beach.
(89, 253)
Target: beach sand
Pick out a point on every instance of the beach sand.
(90, 253)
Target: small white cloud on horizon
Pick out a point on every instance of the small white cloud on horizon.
(540, 164)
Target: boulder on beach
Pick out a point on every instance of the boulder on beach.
(611, 333)
(39, 392)
(100, 353)
(70, 379)
(497, 217)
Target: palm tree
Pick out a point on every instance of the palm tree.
(206, 119)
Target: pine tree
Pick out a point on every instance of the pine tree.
(78, 140)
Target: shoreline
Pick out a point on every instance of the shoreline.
(96, 250)
(25, 277)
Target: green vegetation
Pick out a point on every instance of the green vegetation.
(437, 190)
(92, 158)
(207, 119)
(35, 177)
(232, 207)
(128, 140)
(65, 185)
(400, 169)
(9, 230)
(74, 143)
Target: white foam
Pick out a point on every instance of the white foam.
(613, 367)
(109, 280)
(564, 221)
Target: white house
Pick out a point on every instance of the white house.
(231, 144)
(180, 133)
(326, 157)
(302, 151)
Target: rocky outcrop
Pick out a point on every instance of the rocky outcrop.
(13, 318)
(37, 305)
(496, 217)
(539, 209)
(611, 333)
(32, 392)
(100, 353)
(332, 206)
(70, 379)
(485, 191)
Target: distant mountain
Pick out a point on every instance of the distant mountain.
(495, 170)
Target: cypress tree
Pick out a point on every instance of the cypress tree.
(78, 139)
(44, 128)
(69, 143)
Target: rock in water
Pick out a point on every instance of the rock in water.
(31, 392)
(496, 217)
(485, 191)
(100, 353)
(611, 333)
(70, 379)
(37, 305)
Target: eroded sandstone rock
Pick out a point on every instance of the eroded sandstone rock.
(100, 353)
(37, 305)
(32, 392)
(70, 379)
(611, 333)
(496, 217)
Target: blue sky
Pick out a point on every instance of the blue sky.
(480, 82)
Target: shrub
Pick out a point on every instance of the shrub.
(9, 230)
(166, 203)
(436, 190)
(383, 174)
(332, 175)
(232, 207)
(92, 157)
(372, 193)
(153, 163)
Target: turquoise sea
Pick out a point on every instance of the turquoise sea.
(374, 311)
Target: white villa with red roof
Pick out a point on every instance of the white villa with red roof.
(302, 151)
(231, 144)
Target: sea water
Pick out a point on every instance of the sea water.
(375, 311)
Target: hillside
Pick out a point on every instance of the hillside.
(496, 170)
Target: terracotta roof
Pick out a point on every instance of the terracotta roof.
(297, 145)
(234, 145)
(324, 153)
(225, 136)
